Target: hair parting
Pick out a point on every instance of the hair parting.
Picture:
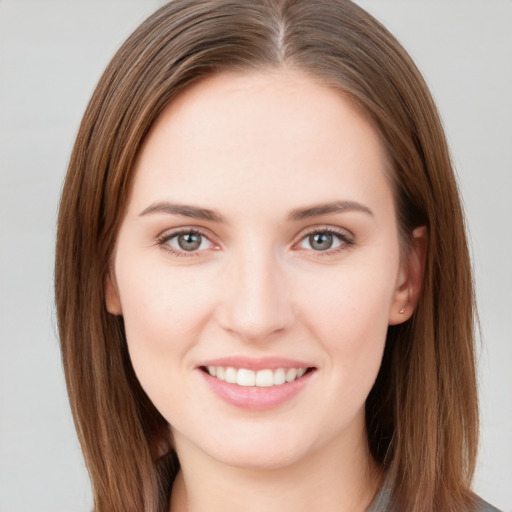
(422, 415)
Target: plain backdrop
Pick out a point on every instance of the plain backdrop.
(51, 55)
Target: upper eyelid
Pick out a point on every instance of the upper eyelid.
(167, 235)
(322, 229)
(172, 232)
(346, 239)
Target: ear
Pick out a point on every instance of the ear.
(410, 278)
(112, 300)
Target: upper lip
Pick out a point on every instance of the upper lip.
(251, 363)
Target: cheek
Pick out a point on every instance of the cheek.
(164, 310)
(348, 312)
(164, 313)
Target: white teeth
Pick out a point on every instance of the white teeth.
(279, 377)
(261, 378)
(230, 375)
(264, 378)
(246, 377)
(291, 374)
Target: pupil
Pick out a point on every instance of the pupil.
(320, 241)
(189, 241)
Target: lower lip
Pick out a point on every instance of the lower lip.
(254, 397)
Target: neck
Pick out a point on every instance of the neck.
(333, 479)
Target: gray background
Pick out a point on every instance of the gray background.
(51, 55)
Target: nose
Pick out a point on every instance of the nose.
(257, 297)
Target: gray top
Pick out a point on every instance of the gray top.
(381, 503)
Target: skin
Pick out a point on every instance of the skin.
(254, 147)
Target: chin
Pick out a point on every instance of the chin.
(260, 459)
(247, 448)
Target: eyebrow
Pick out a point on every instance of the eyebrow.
(184, 210)
(297, 214)
(325, 209)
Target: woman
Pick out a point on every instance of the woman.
(262, 280)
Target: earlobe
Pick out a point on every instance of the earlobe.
(410, 278)
(112, 300)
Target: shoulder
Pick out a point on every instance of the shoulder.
(382, 503)
(483, 506)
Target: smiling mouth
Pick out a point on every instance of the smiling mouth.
(256, 378)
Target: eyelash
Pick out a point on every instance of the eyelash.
(346, 240)
(163, 240)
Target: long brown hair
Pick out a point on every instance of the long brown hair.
(422, 416)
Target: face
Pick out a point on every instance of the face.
(257, 268)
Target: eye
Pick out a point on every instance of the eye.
(325, 240)
(185, 242)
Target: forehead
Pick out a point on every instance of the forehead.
(244, 136)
